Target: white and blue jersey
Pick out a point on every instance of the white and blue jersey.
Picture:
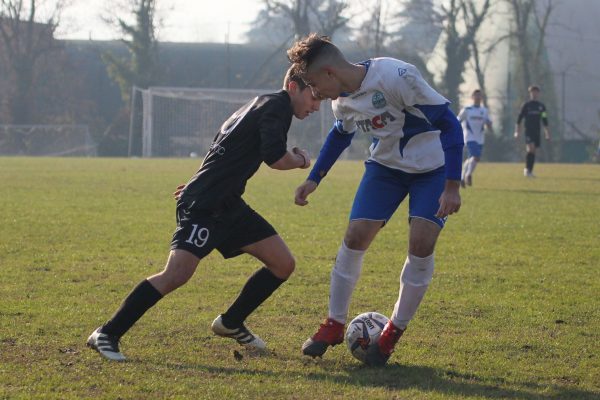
(396, 106)
(473, 119)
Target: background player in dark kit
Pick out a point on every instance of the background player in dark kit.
(211, 214)
(534, 114)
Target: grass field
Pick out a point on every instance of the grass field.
(513, 311)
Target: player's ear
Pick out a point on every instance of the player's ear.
(292, 86)
(329, 70)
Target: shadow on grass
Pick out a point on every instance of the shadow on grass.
(402, 377)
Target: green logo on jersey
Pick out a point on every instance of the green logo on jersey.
(378, 100)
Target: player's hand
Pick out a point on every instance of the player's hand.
(449, 200)
(305, 156)
(303, 191)
(177, 192)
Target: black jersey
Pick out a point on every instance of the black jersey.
(534, 113)
(255, 133)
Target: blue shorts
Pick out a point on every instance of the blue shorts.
(382, 189)
(475, 149)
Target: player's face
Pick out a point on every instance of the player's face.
(534, 94)
(477, 97)
(303, 102)
(323, 83)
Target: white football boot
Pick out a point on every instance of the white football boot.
(106, 345)
(241, 334)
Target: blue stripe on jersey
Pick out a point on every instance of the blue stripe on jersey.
(366, 63)
(413, 125)
(432, 112)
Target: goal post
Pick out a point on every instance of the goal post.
(178, 122)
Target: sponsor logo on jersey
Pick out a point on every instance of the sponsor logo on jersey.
(402, 71)
(378, 100)
(377, 122)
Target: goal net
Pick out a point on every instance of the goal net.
(179, 122)
(46, 140)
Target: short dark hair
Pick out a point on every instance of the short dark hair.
(476, 91)
(293, 74)
(533, 87)
(304, 52)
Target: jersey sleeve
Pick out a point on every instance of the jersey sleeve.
(462, 114)
(488, 119)
(273, 128)
(411, 91)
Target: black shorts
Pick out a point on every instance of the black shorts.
(201, 231)
(533, 138)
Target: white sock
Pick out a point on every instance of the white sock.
(465, 168)
(414, 281)
(344, 275)
(472, 165)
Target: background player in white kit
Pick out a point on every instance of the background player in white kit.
(474, 119)
(416, 151)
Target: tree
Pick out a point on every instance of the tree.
(422, 21)
(462, 21)
(323, 16)
(372, 33)
(531, 20)
(25, 38)
(530, 41)
(412, 32)
(272, 27)
(141, 70)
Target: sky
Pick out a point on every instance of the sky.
(182, 20)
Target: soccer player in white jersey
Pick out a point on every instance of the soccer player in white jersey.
(416, 151)
(474, 119)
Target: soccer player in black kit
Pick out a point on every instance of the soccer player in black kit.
(534, 113)
(211, 214)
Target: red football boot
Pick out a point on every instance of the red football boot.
(378, 355)
(330, 333)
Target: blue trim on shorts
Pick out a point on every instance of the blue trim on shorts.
(382, 189)
(475, 149)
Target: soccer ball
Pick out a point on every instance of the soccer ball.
(364, 331)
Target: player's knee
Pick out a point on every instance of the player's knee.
(421, 248)
(355, 240)
(284, 268)
(177, 274)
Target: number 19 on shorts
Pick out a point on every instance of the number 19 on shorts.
(198, 237)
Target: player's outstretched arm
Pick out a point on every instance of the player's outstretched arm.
(302, 192)
(297, 158)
